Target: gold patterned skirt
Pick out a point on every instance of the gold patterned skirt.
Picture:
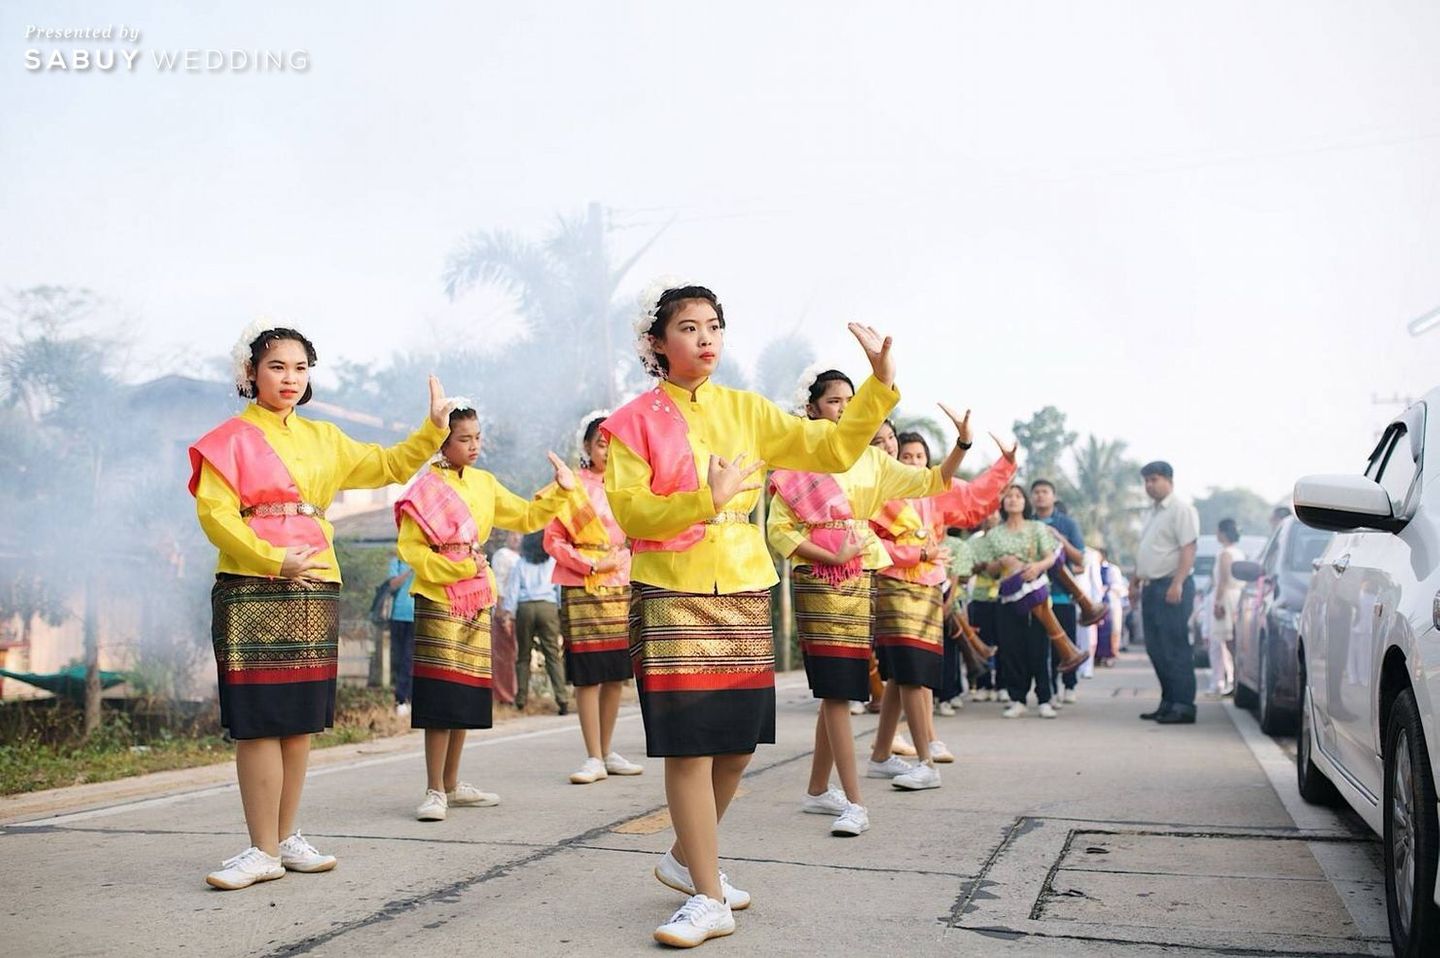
(276, 647)
(835, 624)
(452, 676)
(597, 634)
(705, 670)
(909, 632)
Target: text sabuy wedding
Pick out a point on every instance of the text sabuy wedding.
(81, 60)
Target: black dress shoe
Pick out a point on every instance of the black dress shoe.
(1155, 715)
(564, 708)
(1176, 717)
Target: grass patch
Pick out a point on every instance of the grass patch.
(41, 746)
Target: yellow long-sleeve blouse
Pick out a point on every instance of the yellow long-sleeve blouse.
(727, 422)
(322, 460)
(867, 485)
(491, 504)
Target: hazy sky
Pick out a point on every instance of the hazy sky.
(1198, 227)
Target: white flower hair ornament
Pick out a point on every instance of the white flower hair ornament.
(801, 399)
(459, 402)
(586, 420)
(240, 353)
(645, 316)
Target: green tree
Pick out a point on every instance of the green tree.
(1106, 497)
(64, 476)
(1249, 509)
(1043, 441)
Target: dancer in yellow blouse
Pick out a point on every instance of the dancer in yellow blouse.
(821, 523)
(261, 482)
(681, 482)
(444, 519)
(592, 569)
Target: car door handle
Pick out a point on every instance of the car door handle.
(1341, 564)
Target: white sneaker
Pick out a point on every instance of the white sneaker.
(920, 777)
(902, 746)
(945, 709)
(617, 764)
(592, 771)
(298, 855)
(677, 876)
(1048, 711)
(402, 709)
(1003, 696)
(466, 794)
(697, 921)
(852, 821)
(892, 766)
(939, 753)
(857, 708)
(1013, 710)
(1069, 697)
(832, 801)
(245, 869)
(433, 808)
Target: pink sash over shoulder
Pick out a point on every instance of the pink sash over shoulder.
(818, 501)
(240, 453)
(651, 427)
(446, 521)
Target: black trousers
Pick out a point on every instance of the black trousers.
(1025, 654)
(402, 655)
(1167, 642)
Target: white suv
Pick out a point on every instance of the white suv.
(1370, 660)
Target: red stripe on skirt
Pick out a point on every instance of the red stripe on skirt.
(909, 642)
(313, 673)
(599, 645)
(707, 682)
(446, 675)
(837, 651)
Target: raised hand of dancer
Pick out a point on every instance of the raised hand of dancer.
(1007, 453)
(850, 549)
(956, 454)
(877, 350)
(962, 423)
(564, 476)
(300, 562)
(439, 409)
(727, 479)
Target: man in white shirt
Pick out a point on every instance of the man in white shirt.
(1163, 563)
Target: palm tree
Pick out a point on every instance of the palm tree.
(1106, 497)
(564, 287)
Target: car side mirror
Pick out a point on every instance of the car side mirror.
(1246, 571)
(1344, 503)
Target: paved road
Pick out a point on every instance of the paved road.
(1093, 835)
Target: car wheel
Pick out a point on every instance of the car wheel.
(1312, 784)
(1273, 719)
(1412, 835)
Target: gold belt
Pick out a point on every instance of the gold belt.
(458, 548)
(268, 510)
(728, 515)
(838, 524)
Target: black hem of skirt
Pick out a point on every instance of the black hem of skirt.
(838, 677)
(595, 668)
